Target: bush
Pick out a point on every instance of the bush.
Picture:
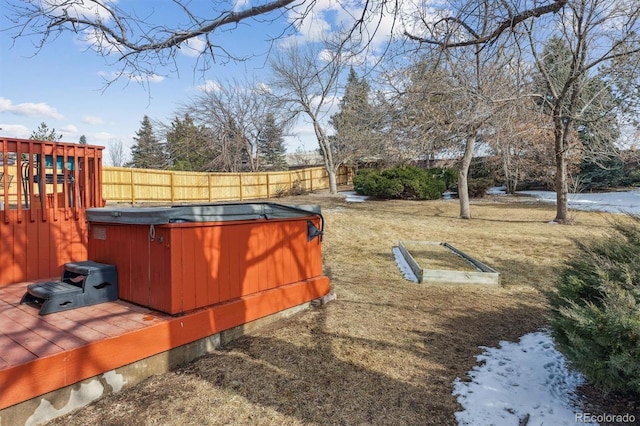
(478, 187)
(633, 178)
(449, 176)
(404, 182)
(602, 175)
(596, 309)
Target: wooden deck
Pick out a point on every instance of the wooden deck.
(40, 354)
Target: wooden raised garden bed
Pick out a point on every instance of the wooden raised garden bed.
(437, 262)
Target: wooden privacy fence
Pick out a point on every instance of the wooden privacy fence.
(125, 185)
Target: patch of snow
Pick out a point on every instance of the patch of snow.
(611, 202)
(404, 267)
(354, 197)
(527, 382)
(448, 195)
(497, 190)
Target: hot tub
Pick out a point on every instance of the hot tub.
(176, 259)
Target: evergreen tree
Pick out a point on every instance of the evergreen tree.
(233, 155)
(187, 146)
(147, 152)
(595, 308)
(83, 140)
(43, 133)
(354, 123)
(271, 146)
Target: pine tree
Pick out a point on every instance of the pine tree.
(44, 134)
(596, 308)
(83, 140)
(271, 146)
(148, 151)
(187, 147)
(354, 124)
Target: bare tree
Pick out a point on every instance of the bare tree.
(597, 35)
(520, 136)
(305, 82)
(463, 23)
(133, 36)
(139, 43)
(408, 101)
(462, 43)
(601, 35)
(451, 101)
(520, 140)
(116, 153)
(235, 113)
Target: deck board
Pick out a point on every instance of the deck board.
(39, 354)
(25, 335)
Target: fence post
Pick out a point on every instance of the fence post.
(133, 187)
(209, 188)
(172, 182)
(240, 184)
(268, 186)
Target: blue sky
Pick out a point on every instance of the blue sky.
(63, 84)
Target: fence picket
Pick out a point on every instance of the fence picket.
(153, 186)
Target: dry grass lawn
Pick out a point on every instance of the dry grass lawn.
(387, 350)
(435, 256)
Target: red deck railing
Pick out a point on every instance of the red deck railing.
(44, 190)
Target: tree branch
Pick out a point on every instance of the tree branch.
(504, 25)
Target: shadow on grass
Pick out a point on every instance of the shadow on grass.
(390, 362)
(338, 377)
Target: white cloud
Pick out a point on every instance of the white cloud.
(29, 109)
(15, 131)
(263, 88)
(314, 27)
(379, 23)
(69, 129)
(90, 10)
(209, 86)
(153, 78)
(240, 5)
(193, 47)
(303, 138)
(138, 78)
(92, 119)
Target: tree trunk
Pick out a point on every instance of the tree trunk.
(561, 186)
(327, 156)
(506, 167)
(463, 175)
(333, 186)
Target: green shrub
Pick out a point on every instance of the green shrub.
(478, 187)
(596, 309)
(449, 176)
(597, 176)
(404, 182)
(633, 178)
